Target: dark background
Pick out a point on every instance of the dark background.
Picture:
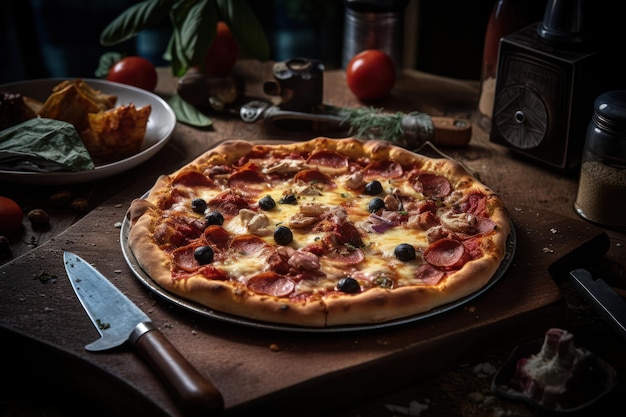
(60, 38)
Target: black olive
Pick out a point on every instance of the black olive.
(283, 235)
(348, 285)
(198, 205)
(373, 188)
(375, 204)
(288, 199)
(267, 203)
(203, 254)
(214, 217)
(404, 252)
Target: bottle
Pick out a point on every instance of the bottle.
(601, 195)
(507, 16)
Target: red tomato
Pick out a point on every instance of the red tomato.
(371, 74)
(223, 52)
(135, 71)
(10, 216)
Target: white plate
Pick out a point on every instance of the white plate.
(160, 127)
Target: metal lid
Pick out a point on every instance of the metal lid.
(610, 112)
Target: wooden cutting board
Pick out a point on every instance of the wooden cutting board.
(45, 328)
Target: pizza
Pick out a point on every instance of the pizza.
(319, 233)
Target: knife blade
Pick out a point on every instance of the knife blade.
(119, 320)
(604, 300)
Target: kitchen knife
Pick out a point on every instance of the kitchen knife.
(604, 300)
(118, 320)
(417, 129)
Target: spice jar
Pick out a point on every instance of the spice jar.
(601, 195)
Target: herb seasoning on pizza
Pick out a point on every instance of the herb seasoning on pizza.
(319, 233)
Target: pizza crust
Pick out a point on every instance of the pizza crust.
(375, 305)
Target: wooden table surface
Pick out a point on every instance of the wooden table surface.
(458, 387)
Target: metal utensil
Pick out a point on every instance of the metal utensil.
(606, 301)
(119, 320)
(417, 129)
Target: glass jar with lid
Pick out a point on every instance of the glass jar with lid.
(601, 195)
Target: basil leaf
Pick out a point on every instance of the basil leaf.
(245, 26)
(187, 113)
(107, 60)
(199, 30)
(134, 19)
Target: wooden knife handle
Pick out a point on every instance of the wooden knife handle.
(194, 392)
(451, 131)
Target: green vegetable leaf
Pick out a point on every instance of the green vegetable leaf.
(107, 60)
(187, 113)
(198, 30)
(245, 26)
(134, 19)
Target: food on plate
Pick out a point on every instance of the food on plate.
(558, 377)
(319, 233)
(14, 109)
(108, 132)
(116, 133)
(72, 101)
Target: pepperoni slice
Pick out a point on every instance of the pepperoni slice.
(475, 204)
(211, 272)
(228, 203)
(191, 179)
(328, 159)
(429, 274)
(183, 258)
(431, 185)
(248, 244)
(312, 175)
(248, 182)
(271, 283)
(217, 236)
(383, 169)
(445, 253)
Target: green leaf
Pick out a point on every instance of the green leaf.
(198, 30)
(245, 26)
(134, 19)
(107, 60)
(187, 113)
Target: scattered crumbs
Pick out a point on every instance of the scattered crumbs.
(48, 310)
(168, 326)
(415, 408)
(548, 250)
(193, 332)
(117, 271)
(382, 342)
(118, 225)
(22, 299)
(45, 277)
(517, 209)
(274, 347)
(484, 370)
(470, 309)
(619, 244)
(553, 231)
(118, 205)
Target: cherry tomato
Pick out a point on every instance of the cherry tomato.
(135, 71)
(371, 74)
(223, 52)
(10, 216)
